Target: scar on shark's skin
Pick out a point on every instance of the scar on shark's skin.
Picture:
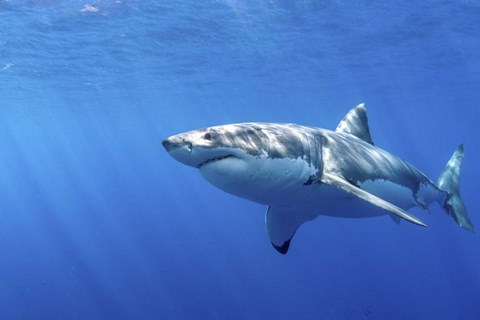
(302, 172)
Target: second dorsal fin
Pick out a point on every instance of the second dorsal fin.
(356, 123)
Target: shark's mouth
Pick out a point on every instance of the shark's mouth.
(204, 163)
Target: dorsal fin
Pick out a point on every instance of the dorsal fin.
(356, 123)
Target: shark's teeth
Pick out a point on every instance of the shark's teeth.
(213, 160)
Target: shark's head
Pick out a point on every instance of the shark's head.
(199, 148)
(247, 159)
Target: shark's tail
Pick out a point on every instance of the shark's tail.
(449, 182)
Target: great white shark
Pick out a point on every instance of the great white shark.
(302, 172)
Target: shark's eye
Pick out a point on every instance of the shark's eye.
(207, 136)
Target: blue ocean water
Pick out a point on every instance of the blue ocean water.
(98, 222)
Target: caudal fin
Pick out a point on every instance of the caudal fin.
(449, 181)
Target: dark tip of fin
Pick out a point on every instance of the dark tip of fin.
(284, 247)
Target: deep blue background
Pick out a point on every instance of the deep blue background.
(98, 222)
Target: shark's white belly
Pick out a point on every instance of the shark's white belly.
(281, 182)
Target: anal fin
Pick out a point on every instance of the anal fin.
(395, 218)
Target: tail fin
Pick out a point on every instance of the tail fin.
(449, 181)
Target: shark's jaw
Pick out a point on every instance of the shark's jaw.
(215, 159)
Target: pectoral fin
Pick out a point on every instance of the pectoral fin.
(346, 186)
(282, 223)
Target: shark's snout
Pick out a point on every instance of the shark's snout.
(181, 150)
(174, 143)
(168, 145)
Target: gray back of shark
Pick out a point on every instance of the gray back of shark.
(302, 172)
